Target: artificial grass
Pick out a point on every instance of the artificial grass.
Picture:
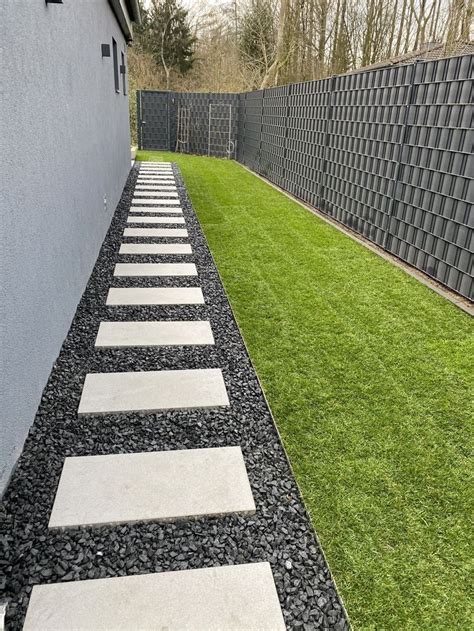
(369, 376)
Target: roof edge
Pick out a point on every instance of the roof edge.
(135, 11)
(126, 12)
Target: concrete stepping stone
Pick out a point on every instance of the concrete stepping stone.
(151, 486)
(154, 175)
(155, 193)
(155, 232)
(156, 181)
(155, 202)
(134, 219)
(156, 187)
(155, 248)
(164, 182)
(227, 598)
(147, 209)
(162, 333)
(154, 296)
(155, 269)
(113, 392)
(156, 171)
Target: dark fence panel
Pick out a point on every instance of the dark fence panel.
(250, 143)
(157, 114)
(387, 152)
(365, 130)
(274, 125)
(306, 139)
(432, 222)
(153, 119)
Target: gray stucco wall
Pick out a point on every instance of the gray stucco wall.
(65, 145)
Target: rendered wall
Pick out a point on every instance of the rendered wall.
(65, 146)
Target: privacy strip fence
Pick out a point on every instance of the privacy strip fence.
(387, 152)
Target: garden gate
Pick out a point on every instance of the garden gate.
(153, 120)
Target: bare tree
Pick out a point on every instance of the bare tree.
(271, 76)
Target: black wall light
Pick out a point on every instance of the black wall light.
(53, 1)
(105, 50)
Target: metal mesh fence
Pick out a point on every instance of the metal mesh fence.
(386, 152)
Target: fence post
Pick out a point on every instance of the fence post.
(321, 204)
(139, 119)
(285, 147)
(401, 144)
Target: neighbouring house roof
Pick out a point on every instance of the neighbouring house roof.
(429, 52)
(126, 12)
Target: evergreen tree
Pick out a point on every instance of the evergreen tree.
(168, 36)
(257, 35)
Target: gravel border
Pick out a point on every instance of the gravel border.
(280, 532)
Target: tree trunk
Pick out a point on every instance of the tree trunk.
(271, 75)
(400, 28)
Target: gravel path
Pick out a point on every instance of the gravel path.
(279, 533)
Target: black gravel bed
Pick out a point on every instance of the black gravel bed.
(280, 532)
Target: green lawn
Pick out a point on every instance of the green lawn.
(368, 375)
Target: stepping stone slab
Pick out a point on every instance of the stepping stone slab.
(155, 187)
(155, 248)
(156, 171)
(165, 182)
(156, 202)
(156, 176)
(155, 194)
(155, 269)
(155, 232)
(146, 209)
(155, 182)
(162, 333)
(152, 486)
(150, 188)
(106, 393)
(138, 219)
(155, 296)
(226, 598)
